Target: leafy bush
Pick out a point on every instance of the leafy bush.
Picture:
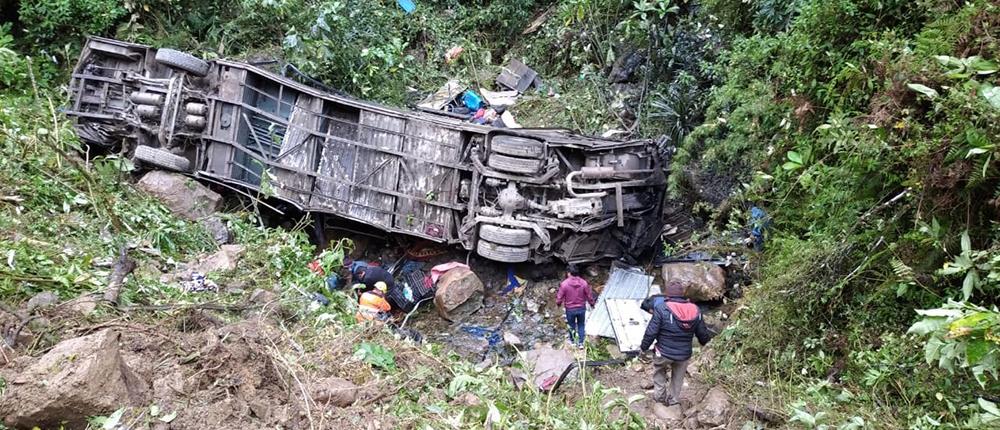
(51, 24)
(67, 219)
(13, 67)
(871, 158)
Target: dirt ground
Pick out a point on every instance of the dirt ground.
(250, 372)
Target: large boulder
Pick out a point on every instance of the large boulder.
(78, 378)
(184, 196)
(459, 293)
(335, 391)
(706, 281)
(714, 408)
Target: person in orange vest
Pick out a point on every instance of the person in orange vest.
(372, 305)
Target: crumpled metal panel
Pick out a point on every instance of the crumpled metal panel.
(624, 283)
(629, 322)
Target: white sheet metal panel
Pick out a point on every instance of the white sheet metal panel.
(624, 283)
(628, 321)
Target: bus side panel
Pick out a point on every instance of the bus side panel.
(298, 151)
(424, 180)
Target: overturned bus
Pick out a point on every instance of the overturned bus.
(512, 195)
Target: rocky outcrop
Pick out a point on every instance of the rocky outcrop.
(188, 199)
(78, 378)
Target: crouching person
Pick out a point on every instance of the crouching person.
(372, 305)
(675, 323)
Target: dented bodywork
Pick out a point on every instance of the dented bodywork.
(510, 194)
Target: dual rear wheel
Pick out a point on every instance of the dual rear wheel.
(516, 154)
(508, 245)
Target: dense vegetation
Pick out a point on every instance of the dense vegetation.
(867, 128)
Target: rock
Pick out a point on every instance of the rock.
(625, 66)
(531, 306)
(517, 377)
(42, 300)
(486, 363)
(546, 364)
(714, 408)
(182, 195)
(511, 339)
(335, 392)
(467, 399)
(84, 305)
(705, 281)
(218, 229)
(647, 384)
(614, 352)
(78, 378)
(260, 409)
(691, 423)
(459, 293)
(282, 415)
(670, 414)
(261, 296)
(222, 260)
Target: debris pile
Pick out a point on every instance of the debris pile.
(483, 106)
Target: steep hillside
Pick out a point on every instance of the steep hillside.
(867, 129)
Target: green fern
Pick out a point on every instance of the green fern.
(981, 168)
(903, 272)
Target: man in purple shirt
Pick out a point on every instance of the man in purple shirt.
(574, 294)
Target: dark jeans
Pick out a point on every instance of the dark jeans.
(575, 318)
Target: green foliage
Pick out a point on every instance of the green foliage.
(865, 132)
(13, 67)
(376, 355)
(66, 220)
(371, 64)
(506, 406)
(962, 335)
(679, 108)
(51, 24)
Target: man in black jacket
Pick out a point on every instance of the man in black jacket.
(676, 321)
